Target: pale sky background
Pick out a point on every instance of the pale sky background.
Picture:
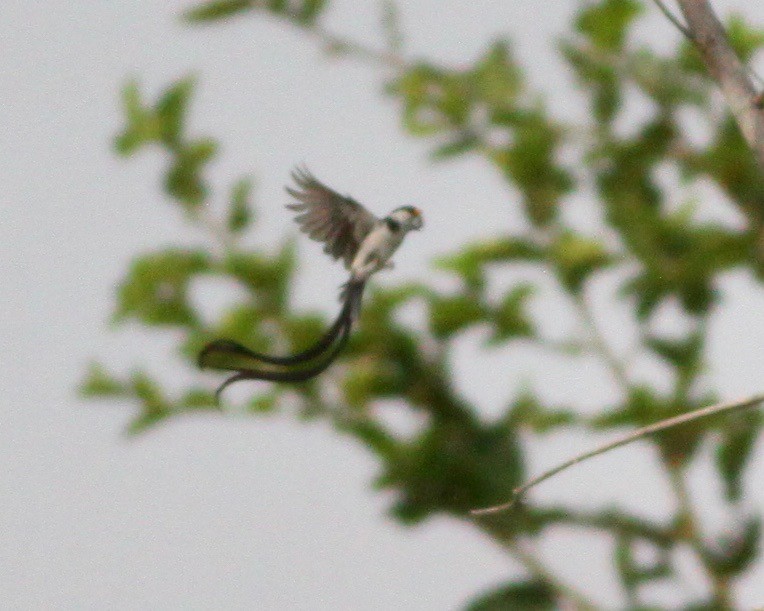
(268, 513)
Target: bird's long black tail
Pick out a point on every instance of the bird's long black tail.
(328, 346)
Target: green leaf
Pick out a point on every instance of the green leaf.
(745, 40)
(303, 12)
(155, 289)
(728, 162)
(600, 78)
(606, 23)
(309, 11)
(737, 551)
(98, 383)
(510, 318)
(135, 132)
(449, 315)
(463, 143)
(145, 421)
(240, 211)
(434, 99)
(524, 595)
(368, 379)
(470, 261)
(527, 411)
(633, 573)
(530, 162)
(141, 127)
(268, 278)
(162, 124)
(171, 111)
(684, 355)
(184, 180)
(576, 258)
(218, 9)
(264, 403)
(455, 465)
(739, 437)
(199, 399)
(154, 406)
(643, 406)
(497, 79)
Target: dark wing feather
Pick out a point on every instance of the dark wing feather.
(340, 222)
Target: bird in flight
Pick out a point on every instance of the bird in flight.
(349, 232)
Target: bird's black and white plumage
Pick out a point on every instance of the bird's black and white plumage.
(349, 232)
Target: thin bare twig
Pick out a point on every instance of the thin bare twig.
(600, 345)
(703, 412)
(673, 19)
(337, 44)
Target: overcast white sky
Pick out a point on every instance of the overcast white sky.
(266, 513)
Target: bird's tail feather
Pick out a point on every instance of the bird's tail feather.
(352, 295)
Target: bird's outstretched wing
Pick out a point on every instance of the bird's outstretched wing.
(340, 222)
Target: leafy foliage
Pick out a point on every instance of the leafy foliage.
(304, 12)
(155, 291)
(456, 461)
(536, 595)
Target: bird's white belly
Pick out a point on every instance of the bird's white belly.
(375, 251)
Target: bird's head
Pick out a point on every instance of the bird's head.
(409, 217)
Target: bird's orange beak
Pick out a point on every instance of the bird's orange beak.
(418, 220)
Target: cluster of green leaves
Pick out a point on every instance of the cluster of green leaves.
(456, 462)
(481, 109)
(302, 12)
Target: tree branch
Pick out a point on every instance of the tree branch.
(600, 344)
(672, 18)
(536, 568)
(703, 412)
(731, 74)
(337, 44)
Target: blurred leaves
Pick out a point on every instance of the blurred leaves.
(634, 573)
(575, 258)
(303, 12)
(528, 412)
(267, 276)
(163, 125)
(469, 262)
(736, 551)
(448, 315)
(154, 405)
(240, 212)
(482, 109)
(455, 465)
(155, 291)
(606, 23)
(733, 454)
(683, 355)
(525, 595)
(453, 461)
(219, 9)
(98, 384)
(511, 318)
